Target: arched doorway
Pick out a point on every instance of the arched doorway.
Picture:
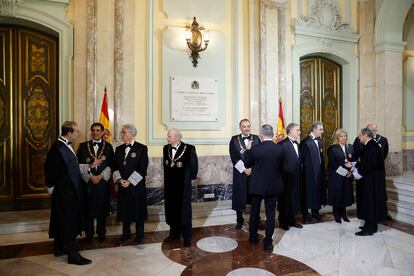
(28, 112)
(320, 96)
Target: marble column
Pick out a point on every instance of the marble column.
(118, 65)
(269, 59)
(91, 105)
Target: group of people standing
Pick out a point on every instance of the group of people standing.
(286, 174)
(292, 175)
(79, 184)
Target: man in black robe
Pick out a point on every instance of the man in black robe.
(313, 174)
(371, 203)
(180, 168)
(130, 169)
(289, 201)
(62, 180)
(95, 159)
(265, 159)
(237, 148)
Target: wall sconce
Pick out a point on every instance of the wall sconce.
(195, 35)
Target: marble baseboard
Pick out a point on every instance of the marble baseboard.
(408, 157)
(211, 170)
(200, 193)
(394, 163)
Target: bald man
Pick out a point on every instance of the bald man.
(180, 168)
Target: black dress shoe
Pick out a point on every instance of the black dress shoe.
(268, 247)
(308, 218)
(345, 218)
(316, 216)
(253, 241)
(137, 241)
(363, 233)
(296, 225)
(284, 227)
(123, 239)
(389, 217)
(238, 226)
(79, 261)
(187, 243)
(361, 227)
(170, 239)
(59, 252)
(102, 238)
(338, 219)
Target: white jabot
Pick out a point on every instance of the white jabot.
(174, 149)
(127, 149)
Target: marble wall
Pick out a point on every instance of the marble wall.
(214, 177)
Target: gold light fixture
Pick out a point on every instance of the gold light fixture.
(195, 35)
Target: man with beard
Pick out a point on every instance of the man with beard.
(180, 168)
(95, 159)
(237, 148)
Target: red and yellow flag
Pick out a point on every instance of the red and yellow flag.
(281, 131)
(104, 118)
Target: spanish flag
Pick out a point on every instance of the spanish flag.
(281, 131)
(104, 118)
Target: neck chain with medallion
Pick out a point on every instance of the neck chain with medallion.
(99, 153)
(173, 160)
(242, 150)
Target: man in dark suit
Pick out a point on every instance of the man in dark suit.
(289, 201)
(180, 168)
(237, 148)
(62, 180)
(313, 174)
(265, 159)
(379, 139)
(371, 202)
(95, 159)
(130, 169)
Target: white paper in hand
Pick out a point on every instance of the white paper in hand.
(240, 166)
(341, 171)
(356, 174)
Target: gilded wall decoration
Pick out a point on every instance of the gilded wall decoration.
(37, 113)
(38, 59)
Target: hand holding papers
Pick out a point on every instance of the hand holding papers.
(356, 174)
(342, 171)
(240, 166)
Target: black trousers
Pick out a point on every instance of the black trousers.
(270, 209)
(126, 229)
(100, 226)
(176, 229)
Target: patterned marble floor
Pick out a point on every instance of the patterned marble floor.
(325, 248)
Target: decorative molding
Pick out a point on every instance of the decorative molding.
(118, 65)
(8, 7)
(325, 17)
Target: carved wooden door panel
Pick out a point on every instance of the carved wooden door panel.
(33, 118)
(320, 96)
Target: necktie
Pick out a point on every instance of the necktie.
(174, 148)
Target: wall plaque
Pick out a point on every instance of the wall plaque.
(194, 99)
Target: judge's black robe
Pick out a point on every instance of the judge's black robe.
(340, 191)
(96, 196)
(289, 201)
(237, 149)
(132, 201)
(313, 175)
(66, 221)
(178, 188)
(383, 143)
(371, 201)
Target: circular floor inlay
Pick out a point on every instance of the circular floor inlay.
(217, 244)
(247, 271)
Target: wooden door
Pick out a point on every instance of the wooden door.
(28, 111)
(320, 96)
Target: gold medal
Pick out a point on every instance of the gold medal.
(172, 164)
(179, 164)
(124, 163)
(242, 151)
(166, 162)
